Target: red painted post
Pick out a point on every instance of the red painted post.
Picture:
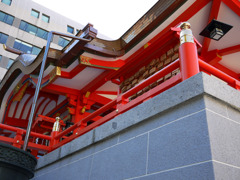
(188, 55)
(18, 139)
(55, 132)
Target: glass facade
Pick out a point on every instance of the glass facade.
(45, 18)
(62, 42)
(25, 47)
(35, 13)
(70, 29)
(33, 30)
(3, 38)
(6, 18)
(8, 2)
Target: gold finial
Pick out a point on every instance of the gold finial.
(185, 25)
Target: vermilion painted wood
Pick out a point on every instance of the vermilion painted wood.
(188, 60)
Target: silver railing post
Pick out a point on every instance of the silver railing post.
(35, 98)
(37, 92)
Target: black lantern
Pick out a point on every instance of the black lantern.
(215, 30)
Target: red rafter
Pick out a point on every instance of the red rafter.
(213, 15)
(61, 90)
(57, 107)
(72, 73)
(24, 106)
(234, 5)
(96, 83)
(229, 50)
(107, 92)
(99, 99)
(226, 70)
(16, 122)
(40, 104)
(45, 106)
(16, 108)
(154, 42)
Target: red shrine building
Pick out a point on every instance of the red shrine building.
(92, 81)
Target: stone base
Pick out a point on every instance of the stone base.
(190, 131)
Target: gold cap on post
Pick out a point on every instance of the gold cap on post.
(185, 25)
(186, 33)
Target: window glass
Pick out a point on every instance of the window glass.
(6, 18)
(0, 58)
(9, 19)
(35, 13)
(8, 2)
(23, 25)
(45, 18)
(33, 30)
(35, 50)
(42, 33)
(25, 47)
(28, 27)
(3, 38)
(10, 62)
(70, 29)
(62, 42)
(2, 15)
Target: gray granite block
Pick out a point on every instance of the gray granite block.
(216, 105)
(180, 93)
(75, 170)
(122, 161)
(224, 139)
(180, 143)
(233, 114)
(48, 158)
(179, 111)
(220, 90)
(99, 146)
(202, 171)
(82, 142)
(223, 171)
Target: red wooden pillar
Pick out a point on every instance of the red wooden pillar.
(188, 55)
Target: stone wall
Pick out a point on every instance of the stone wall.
(191, 131)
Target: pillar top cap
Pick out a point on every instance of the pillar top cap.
(185, 25)
(57, 118)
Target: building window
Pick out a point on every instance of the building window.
(3, 38)
(25, 47)
(45, 18)
(33, 30)
(28, 27)
(8, 2)
(62, 42)
(10, 62)
(6, 18)
(70, 29)
(42, 33)
(0, 58)
(35, 13)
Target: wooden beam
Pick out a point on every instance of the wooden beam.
(213, 15)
